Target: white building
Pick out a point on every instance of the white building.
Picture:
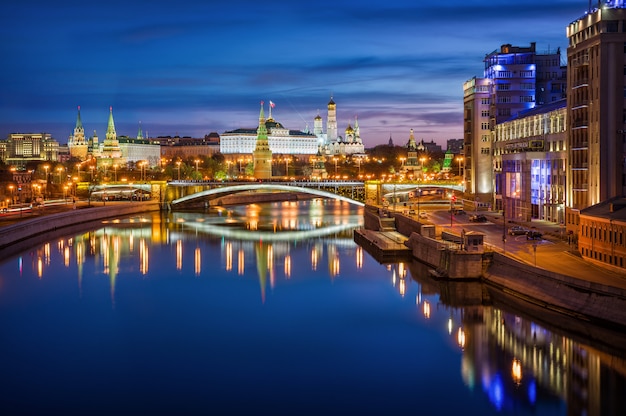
(281, 140)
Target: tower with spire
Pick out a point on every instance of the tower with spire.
(331, 123)
(111, 153)
(411, 166)
(76, 143)
(262, 155)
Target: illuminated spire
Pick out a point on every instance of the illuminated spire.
(111, 125)
(79, 123)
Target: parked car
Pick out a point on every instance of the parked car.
(533, 235)
(478, 218)
(517, 230)
(423, 215)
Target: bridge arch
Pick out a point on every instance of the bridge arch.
(231, 189)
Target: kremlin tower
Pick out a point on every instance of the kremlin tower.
(262, 155)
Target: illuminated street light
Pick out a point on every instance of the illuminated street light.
(178, 166)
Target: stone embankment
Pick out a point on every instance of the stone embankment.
(588, 301)
(15, 237)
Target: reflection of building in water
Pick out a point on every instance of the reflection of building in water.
(519, 365)
(516, 361)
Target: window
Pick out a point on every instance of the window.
(484, 113)
(526, 74)
(485, 101)
(611, 26)
(484, 126)
(527, 86)
(504, 87)
(504, 100)
(504, 74)
(526, 99)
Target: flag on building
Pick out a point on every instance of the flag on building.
(272, 104)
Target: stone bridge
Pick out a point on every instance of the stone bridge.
(186, 194)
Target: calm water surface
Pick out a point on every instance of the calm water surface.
(272, 309)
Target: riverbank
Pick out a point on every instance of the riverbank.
(567, 285)
(63, 219)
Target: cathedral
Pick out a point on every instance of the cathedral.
(333, 144)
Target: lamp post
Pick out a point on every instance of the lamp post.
(460, 159)
(178, 166)
(419, 194)
(11, 187)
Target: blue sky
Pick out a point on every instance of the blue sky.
(193, 67)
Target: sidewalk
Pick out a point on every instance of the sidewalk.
(554, 254)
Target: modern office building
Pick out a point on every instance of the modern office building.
(515, 79)
(596, 109)
(596, 113)
(478, 172)
(530, 153)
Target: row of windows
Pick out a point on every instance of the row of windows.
(614, 260)
(522, 99)
(613, 236)
(509, 74)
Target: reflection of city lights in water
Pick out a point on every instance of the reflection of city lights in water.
(241, 256)
(179, 254)
(402, 287)
(46, 251)
(39, 267)
(270, 257)
(143, 256)
(229, 256)
(104, 252)
(426, 309)
(131, 242)
(287, 266)
(66, 256)
(314, 258)
(197, 261)
(450, 326)
(401, 270)
(516, 371)
(418, 298)
(333, 262)
(359, 257)
(460, 338)
(80, 252)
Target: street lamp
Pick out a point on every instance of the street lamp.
(11, 187)
(196, 162)
(178, 166)
(460, 159)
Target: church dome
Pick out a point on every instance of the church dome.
(349, 129)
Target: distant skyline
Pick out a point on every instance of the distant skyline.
(190, 68)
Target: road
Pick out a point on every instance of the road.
(550, 253)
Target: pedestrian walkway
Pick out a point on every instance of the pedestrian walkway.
(554, 254)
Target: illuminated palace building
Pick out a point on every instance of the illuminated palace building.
(283, 141)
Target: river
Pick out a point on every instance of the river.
(273, 309)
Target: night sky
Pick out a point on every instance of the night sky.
(189, 68)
